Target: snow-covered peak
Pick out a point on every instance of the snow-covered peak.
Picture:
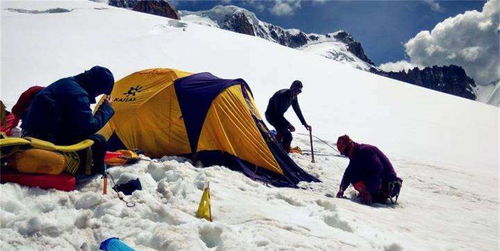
(218, 15)
(339, 46)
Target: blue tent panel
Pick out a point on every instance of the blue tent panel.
(195, 94)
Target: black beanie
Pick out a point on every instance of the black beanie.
(296, 85)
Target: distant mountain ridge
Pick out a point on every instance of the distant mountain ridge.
(240, 20)
(339, 46)
(450, 79)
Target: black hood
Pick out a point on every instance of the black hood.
(96, 81)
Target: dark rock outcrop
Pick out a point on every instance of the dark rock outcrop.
(450, 79)
(156, 7)
(287, 38)
(353, 46)
(239, 23)
(127, 4)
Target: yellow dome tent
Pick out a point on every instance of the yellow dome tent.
(200, 116)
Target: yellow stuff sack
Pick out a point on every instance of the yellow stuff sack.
(37, 161)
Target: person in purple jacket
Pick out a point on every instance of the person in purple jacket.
(369, 171)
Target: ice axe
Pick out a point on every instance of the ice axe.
(311, 142)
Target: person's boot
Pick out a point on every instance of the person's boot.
(279, 137)
(296, 150)
(286, 147)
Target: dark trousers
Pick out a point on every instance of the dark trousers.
(92, 160)
(284, 136)
(377, 189)
(98, 153)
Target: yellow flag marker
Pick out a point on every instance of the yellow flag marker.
(204, 210)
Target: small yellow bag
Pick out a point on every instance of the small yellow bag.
(37, 161)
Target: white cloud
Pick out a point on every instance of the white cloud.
(434, 5)
(285, 7)
(469, 40)
(260, 7)
(397, 66)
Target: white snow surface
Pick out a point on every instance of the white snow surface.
(337, 51)
(489, 94)
(445, 148)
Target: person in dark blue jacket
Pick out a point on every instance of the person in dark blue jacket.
(278, 105)
(369, 171)
(61, 112)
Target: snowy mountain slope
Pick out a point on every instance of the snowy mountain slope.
(449, 199)
(489, 94)
(335, 46)
(336, 51)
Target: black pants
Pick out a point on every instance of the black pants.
(281, 125)
(94, 163)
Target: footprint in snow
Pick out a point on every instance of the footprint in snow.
(326, 205)
(335, 222)
(210, 235)
(177, 24)
(289, 200)
(165, 28)
(393, 247)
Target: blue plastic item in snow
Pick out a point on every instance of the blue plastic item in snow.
(114, 244)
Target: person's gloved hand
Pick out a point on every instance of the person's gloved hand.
(308, 127)
(108, 99)
(340, 194)
(291, 128)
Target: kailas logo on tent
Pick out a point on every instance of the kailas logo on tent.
(133, 90)
(130, 94)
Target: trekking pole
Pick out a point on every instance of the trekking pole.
(311, 142)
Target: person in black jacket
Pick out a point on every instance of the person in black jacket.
(278, 105)
(61, 113)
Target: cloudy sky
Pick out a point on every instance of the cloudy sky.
(398, 34)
